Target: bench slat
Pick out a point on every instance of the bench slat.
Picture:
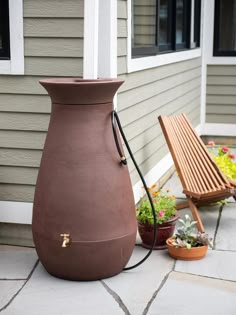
(201, 179)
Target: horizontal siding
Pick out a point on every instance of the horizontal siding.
(22, 139)
(24, 121)
(221, 94)
(49, 27)
(122, 9)
(18, 175)
(19, 157)
(53, 46)
(21, 193)
(121, 36)
(25, 103)
(53, 66)
(145, 95)
(53, 8)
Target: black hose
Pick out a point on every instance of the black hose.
(114, 119)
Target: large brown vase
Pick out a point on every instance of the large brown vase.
(84, 224)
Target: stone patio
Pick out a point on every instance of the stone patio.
(160, 286)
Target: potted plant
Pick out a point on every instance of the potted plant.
(187, 245)
(224, 159)
(166, 215)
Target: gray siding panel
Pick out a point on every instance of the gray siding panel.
(221, 94)
(146, 94)
(53, 46)
(25, 103)
(53, 66)
(49, 27)
(53, 8)
(21, 193)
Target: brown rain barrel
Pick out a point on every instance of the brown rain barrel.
(82, 189)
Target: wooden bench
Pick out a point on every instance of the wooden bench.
(202, 181)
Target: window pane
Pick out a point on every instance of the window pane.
(197, 22)
(164, 23)
(144, 23)
(179, 21)
(4, 30)
(227, 25)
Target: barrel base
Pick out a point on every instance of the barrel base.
(85, 261)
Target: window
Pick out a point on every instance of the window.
(4, 31)
(162, 26)
(11, 37)
(225, 28)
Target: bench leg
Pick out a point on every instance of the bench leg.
(182, 205)
(196, 216)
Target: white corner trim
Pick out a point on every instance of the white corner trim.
(90, 53)
(16, 212)
(16, 63)
(153, 176)
(227, 130)
(204, 43)
(107, 39)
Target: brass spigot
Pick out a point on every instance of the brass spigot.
(66, 240)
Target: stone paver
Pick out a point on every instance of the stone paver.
(136, 287)
(174, 185)
(184, 294)
(8, 289)
(16, 262)
(216, 264)
(226, 236)
(47, 295)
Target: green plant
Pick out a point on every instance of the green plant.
(185, 236)
(164, 204)
(224, 159)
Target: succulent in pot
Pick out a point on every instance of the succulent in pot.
(166, 215)
(185, 244)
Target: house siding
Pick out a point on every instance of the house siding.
(53, 46)
(146, 94)
(221, 94)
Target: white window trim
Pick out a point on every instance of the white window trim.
(16, 64)
(137, 64)
(209, 29)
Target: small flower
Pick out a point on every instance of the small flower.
(154, 200)
(211, 143)
(160, 214)
(225, 149)
(155, 194)
(153, 186)
(232, 156)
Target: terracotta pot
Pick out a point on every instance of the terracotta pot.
(164, 231)
(194, 253)
(82, 189)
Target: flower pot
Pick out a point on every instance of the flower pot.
(164, 231)
(84, 223)
(194, 253)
